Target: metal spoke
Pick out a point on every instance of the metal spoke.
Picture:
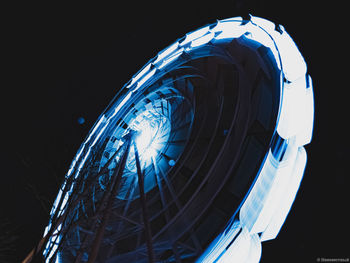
(172, 192)
(159, 183)
(114, 237)
(93, 199)
(100, 232)
(171, 189)
(129, 196)
(144, 208)
(126, 219)
(125, 210)
(184, 245)
(105, 167)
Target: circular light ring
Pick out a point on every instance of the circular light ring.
(225, 40)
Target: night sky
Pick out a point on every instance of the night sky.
(64, 64)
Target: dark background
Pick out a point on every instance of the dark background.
(63, 62)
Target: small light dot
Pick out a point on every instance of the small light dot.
(81, 120)
(171, 162)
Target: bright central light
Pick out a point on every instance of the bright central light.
(153, 129)
(147, 141)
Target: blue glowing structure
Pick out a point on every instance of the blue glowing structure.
(205, 142)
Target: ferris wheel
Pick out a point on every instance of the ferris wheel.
(198, 158)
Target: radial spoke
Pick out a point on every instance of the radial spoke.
(171, 188)
(172, 192)
(144, 208)
(129, 196)
(126, 219)
(195, 241)
(100, 231)
(93, 200)
(159, 183)
(123, 216)
(105, 167)
(114, 237)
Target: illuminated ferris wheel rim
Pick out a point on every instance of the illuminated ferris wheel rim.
(293, 130)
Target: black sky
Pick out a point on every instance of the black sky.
(65, 62)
